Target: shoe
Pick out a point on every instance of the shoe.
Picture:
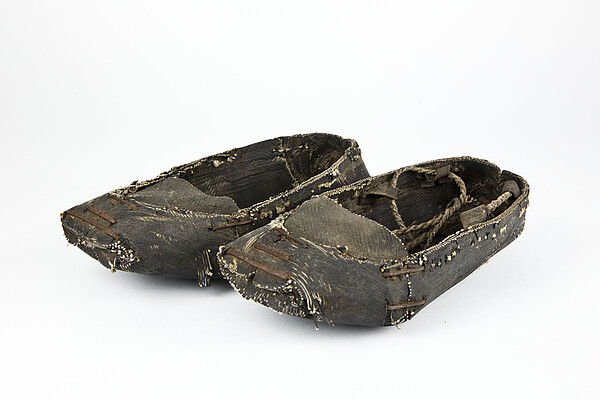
(377, 251)
(174, 224)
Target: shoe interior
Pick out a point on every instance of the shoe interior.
(254, 173)
(418, 201)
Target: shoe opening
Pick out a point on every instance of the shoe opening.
(424, 204)
(259, 171)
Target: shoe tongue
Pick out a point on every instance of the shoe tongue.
(177, 192)
(323, 221)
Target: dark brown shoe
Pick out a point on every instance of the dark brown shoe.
(377, 251)
(174, 224)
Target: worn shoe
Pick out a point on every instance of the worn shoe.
(174, 224)
(377, 251)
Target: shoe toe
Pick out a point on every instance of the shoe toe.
(300, 278)
(91, 227)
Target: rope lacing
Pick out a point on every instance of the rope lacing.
(432, 226)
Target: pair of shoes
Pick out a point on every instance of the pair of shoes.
(296, 224)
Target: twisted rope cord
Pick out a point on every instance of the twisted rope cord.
(436, 222)
(492, 205)
(395, 211)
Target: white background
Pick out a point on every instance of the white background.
(95, 94)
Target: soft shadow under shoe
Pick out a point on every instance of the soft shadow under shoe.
(174, 224)
(377, 251)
